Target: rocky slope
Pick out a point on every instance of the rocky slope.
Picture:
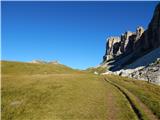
(127, 51)
(151, 72)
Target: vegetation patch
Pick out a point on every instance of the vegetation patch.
(149, 94)
(97, 70)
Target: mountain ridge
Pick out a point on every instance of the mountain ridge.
(124, 51)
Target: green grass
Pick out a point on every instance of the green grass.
(149, 94)
(61, 94)
(33, 68)
(52, 97)
(57, 92)
(99, 70)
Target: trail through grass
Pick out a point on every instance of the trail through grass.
(149, 94)
(73, 95)
(56, 92)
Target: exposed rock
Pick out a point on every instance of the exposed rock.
(38, 61)
(44, 62)
(151, 37)
(124, 44)
(131, 53)
(153, 33)
(151, 73)
(53, 62)
(112, 48)
(96, 73)
(127, 42)
(139, 32)
(138, 44)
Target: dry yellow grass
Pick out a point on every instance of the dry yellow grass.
(149, 94)
(73, 95)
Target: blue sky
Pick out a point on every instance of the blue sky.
(74, 33)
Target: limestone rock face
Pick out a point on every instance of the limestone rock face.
(124, 44)
(151, 73)
(139, 32)
(151, 37)
(153, 32)
(137, 43)
(122, 52)
(112, 47)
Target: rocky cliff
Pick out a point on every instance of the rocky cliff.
(123, 45)
(123, 51)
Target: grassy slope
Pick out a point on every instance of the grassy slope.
(99, 70)
(52, 97)
(147, 93)
(28, 93)
(19, 68)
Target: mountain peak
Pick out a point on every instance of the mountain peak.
(134, 46)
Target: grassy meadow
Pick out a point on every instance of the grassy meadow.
(57, 92)
(149, 94)
(21, 68)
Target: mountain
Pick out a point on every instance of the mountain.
(136, 52)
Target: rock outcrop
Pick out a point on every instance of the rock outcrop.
(122, 45)
(38, 61)
(123, 51)
(151, 73)
(54, 62)
(145, 68)
(44, 62)
(113, 47)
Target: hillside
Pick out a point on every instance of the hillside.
(96, 70)
(63, 93)
(17, 68)
(149, 94)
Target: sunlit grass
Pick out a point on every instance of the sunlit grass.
(64, 95)
(20, 68)
(147, 93)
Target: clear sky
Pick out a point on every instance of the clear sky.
(74, 33)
